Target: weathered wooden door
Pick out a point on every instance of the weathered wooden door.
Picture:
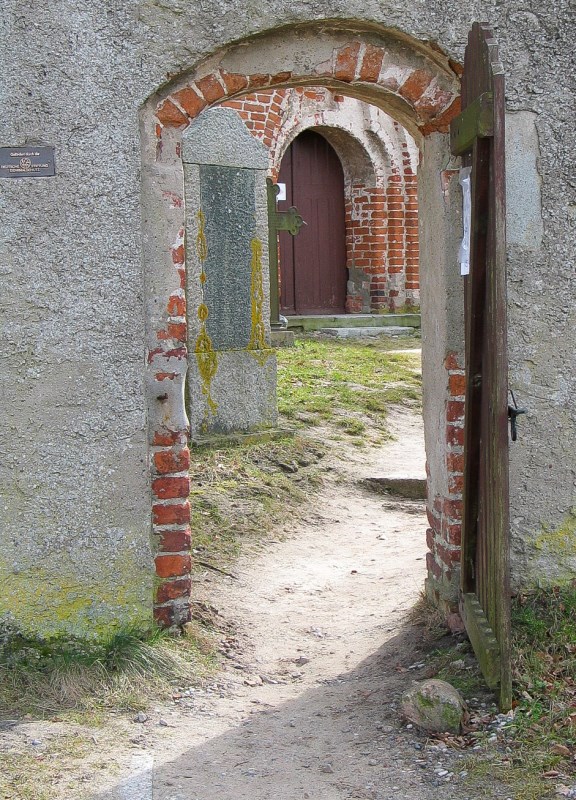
(478, 136)
(313, 264)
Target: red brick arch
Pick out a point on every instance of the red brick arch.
(355, 65)
(413, 83)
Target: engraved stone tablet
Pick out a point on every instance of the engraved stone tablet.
(227, 200)
(28, 161)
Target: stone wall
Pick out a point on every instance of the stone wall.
(92, 264)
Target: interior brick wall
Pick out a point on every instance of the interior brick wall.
(381, 220)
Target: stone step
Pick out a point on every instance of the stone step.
(357, 333)
(315, 322)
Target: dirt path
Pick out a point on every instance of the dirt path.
(319, 653)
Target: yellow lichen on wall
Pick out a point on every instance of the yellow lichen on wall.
(257, 345)
(205, 354)
(560, 539)
(49, 599)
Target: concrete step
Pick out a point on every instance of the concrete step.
(357, 333)
(315, 322)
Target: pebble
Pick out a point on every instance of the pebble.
(141, 717)
(327, 767)
(372, 762)
(36, 742)
(162, 723)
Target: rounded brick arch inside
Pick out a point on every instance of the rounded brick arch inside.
(379, 159)
(417, 86)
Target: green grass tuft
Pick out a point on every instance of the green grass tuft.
(123, 670)
(322, 381)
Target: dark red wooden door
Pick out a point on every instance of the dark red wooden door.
(478, 136)
(313, 264)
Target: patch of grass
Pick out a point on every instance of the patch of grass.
(123, 671)
(537, 749)
(240, 493)
(544, 672)
(320, 381)
(28, 772)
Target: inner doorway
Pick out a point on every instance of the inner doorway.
(313, 264)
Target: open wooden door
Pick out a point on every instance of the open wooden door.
(478, 136)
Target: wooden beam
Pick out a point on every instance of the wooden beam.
(476, 121)
(482, 639)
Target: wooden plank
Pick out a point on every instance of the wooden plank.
(476, 121)
(478, 135)
(482, 639)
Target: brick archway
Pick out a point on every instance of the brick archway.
(412, 82)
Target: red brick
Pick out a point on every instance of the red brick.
(172, 590)
(190, 101)
(280, 77)
(433, 520)
(257, 80)
(433, 102)
(211, 88)
(371, 63)
(164, 616)
(451, 361)
(176, 306)
(455, 462)
(173, 566)
(447, 556)
(433, 568)
(176, 514)
(453, 534)
(169, 488)
(167, 438)
(455, 436)
(430, 536)
(233, 81)
(442, 121)
(175, 541)
(177, 330)
(454, 410)
(170, 116)
(457, 384)
(167, 461)
(178, 254)
(345, 66)
(453, 509)
(456, 484)
(415, 85)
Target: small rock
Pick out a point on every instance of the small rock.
(560, 750)
(301, 661)
(434, 706)
(141, 717)
(36, 742)
(163, 723)
(372, 762)
(327, 767)
(253, 680)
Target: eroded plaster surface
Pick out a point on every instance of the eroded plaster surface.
(74, 472)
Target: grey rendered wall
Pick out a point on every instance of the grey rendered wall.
(73, 471)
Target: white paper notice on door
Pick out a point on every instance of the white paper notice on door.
(464, 254)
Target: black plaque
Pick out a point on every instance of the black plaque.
(28, 161)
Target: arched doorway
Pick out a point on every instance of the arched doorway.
(313, 264)
(419, 87)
